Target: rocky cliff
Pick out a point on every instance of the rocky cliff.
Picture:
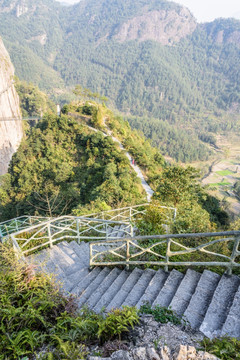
(11, 131)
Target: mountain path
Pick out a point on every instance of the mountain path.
(149, 191)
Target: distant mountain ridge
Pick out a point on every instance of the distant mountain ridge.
(149, 57)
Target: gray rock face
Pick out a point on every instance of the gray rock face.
(163, 26)
(11, 132)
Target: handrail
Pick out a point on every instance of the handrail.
(67, 228)
(22, 222)
(132, 248)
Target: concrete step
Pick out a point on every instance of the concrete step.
(184, 292)
(93, 286)
(169, 289)
(201, 298)
(68, 249)
(153, 288)
(111, 291)
(139, 288)
(70, 261)
(105, 284)
(219, 307)
(76, 277)
(83, 284)
(82, 251)
(45, 264)
(231, 326)
(113, 231)
(125, 289)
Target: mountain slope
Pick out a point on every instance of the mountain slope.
(150, 58)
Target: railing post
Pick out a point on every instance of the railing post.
(50, 235)
(78, 235)
(90, 255)
(1, 235)
(167, 253)
(16, 224)
(127, 254)
(235, 253)
(130, 214)
(131, 230)
(106, 230)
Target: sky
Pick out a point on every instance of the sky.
(208, 10)
(204, 10)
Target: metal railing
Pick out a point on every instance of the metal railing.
(67, 228)
(19, 223)
(128, 214)
(170, 250)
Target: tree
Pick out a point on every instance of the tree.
(177, 184)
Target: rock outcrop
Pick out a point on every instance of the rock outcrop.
(164, 26)
(11, 131)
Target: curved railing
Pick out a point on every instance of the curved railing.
(19, 223)
(67, 228)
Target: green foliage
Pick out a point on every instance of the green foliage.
(160, 314)
(35, 315)
(177, 184)
(225, 348)
(190, 85)
(117, 321)
(155, 219)
(33, 102)
(63, 165)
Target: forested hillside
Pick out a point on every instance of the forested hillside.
(175, 79)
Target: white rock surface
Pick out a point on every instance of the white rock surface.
(11, 132)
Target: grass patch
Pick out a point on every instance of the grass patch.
(224, 172)
(222, 183)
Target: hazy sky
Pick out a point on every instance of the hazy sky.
(208, 10)
(204, 10)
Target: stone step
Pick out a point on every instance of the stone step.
(67, 249)
(93, 286)
(65, 262)
(184, 292)
(106, 283)
(169, 289)
(125, 289)
(113, 231)
(219, 307)
(139, 288)
(153, 288)
(111, 291)
(82, 251)
(231, 326)
(76, 277)
(83, 284)
(201, 298)
(45, 264)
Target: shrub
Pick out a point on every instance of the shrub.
(116, 322)
(225, 348)
(160, 314)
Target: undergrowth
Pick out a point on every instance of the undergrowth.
(160, 314)
(35, 315)
(224, 348)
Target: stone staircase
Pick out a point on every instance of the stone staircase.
(208, 301)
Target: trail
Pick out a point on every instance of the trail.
(136, 168)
